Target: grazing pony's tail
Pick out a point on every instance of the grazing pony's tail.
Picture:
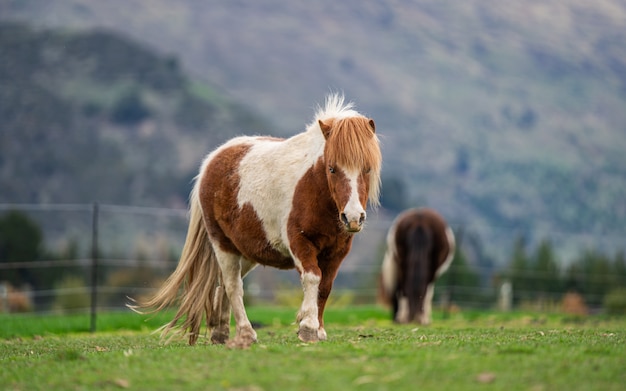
(197, 274)
(418, 263)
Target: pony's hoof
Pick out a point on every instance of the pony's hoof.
(307, 334)
(219, 338)
(241, 342)
(423, 320)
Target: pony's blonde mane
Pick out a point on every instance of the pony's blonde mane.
(352, 142)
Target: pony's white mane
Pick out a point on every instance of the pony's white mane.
(335, 107)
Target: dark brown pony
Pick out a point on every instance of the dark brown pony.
(292, 203)
(420, 247)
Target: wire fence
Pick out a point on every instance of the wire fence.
(100, 255)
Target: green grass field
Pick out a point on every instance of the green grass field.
(365, 351)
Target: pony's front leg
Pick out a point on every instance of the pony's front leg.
(231, 267)
(326, 284)
(308, 315)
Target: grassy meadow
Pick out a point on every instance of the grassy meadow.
(365, 351)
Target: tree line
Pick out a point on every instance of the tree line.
(536, 274)
(56, 279)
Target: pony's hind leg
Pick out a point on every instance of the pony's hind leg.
(232, 271)
(219, 323)
(220, 317)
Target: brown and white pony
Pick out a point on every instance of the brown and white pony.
(285, 203)
(420, 247)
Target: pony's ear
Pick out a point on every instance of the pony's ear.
(325, 128)
(373, 125)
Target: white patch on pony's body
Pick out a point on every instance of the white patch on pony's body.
(390, 267)
(271, 196)
(452, 243)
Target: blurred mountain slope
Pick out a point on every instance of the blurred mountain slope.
(94, 116)
(506, 117)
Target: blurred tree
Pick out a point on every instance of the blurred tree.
(592, 274)
(619, 270)
(546, 280)
(21, 241)
(460, 284)
(615, 302)
(519, 272)
(574, 279)
(130, 109)
(69, 254)
(393, 194)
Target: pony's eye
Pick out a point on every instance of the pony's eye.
(367, 170)
(331, 169)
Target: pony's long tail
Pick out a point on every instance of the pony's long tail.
(197, 274)
(418, 260)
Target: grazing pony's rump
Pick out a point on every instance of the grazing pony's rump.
(420, 247)
(284, 203)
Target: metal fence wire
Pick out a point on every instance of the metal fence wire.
(97, 256)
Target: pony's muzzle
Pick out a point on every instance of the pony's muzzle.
(354, 224)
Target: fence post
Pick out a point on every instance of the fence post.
(94, 265)
(4, 297)
(505, 296)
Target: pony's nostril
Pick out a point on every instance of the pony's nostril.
(344, 218)
(362, 218)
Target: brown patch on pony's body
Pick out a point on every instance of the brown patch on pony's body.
(312, 209)
(429, 220)
(226, 221)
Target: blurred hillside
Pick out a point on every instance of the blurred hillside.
(509, 118)
(93, 116)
